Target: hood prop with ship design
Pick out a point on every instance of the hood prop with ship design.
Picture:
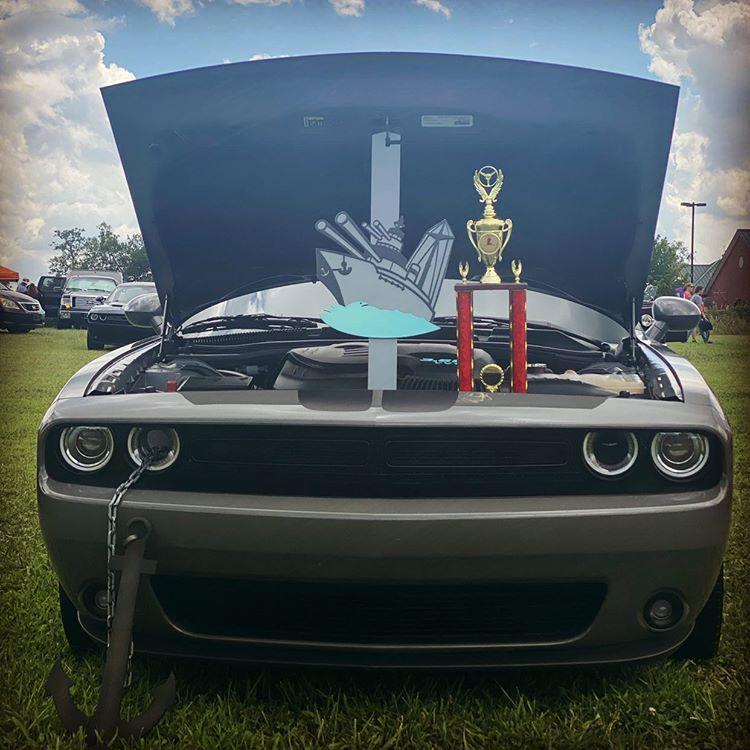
(380, 294)
(383, 297)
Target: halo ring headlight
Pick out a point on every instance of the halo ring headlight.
(86, 448)
(679, 455)
(610, 453)
(143, 440)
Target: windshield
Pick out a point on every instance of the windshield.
(52, 282)
(91, 284)
(124, 294)
(309, 300)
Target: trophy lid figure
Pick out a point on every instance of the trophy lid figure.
(490, 234)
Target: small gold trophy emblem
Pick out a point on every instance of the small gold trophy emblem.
(489, 235)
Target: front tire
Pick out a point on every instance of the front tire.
(703, 642)
(78, 639)
(92, 343)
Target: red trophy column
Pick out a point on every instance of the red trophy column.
(518, 340)
(465, 331)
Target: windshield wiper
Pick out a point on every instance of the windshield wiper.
(260, 321)
(503, 323)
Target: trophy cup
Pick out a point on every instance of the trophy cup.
(489, 235)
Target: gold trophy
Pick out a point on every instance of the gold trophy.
(489, 235)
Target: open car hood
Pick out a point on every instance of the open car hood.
(230, 167)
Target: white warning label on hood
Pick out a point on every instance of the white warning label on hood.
(447, 121)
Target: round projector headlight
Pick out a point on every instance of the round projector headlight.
(679, 455)
(142, 441)
(86, 448)
(610, 453)
(646, 320)
(94, 316)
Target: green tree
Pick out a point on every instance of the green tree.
(104, 251)
(667, 265)
(71, 246)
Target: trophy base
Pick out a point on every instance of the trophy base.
(490, 277)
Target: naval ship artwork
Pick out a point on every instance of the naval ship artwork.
(369, 266)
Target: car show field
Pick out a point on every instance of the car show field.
(664, 704)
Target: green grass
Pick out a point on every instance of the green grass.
(662, 705)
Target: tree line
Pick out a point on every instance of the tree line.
(106, 251)
(103, 251)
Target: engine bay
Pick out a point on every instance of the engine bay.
(422, 365)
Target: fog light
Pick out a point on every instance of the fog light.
(100, 600)
(86, 448)
(610, 453)
(663, 611)
(143, 441)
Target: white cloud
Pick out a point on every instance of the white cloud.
(14, 7)
(58, 163)
(436, 6)
(348, 7)
(265, 56)
(260, 2)
(168, 10)
(705, 48)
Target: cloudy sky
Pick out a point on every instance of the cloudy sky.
(59, 168)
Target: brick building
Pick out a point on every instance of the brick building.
(727, 280)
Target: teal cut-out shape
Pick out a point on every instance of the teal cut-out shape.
(361, 319)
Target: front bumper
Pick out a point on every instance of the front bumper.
(635, 545)
(77, 317)
(116, 331)
(21, 319)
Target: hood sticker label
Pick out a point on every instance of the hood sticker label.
(447, 121)
(313, 121)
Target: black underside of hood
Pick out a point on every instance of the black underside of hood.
(229, 167)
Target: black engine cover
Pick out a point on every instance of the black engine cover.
(421, 366)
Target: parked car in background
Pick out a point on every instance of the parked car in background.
(647, 306)
(81, 292)
(19, 313)
(50, 290)
(107, 323)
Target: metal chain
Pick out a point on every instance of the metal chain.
(112, 509)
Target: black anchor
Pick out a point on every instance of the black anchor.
(106, 722)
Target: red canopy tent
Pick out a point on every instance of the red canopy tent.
(8, 274)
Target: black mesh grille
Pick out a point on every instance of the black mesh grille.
(382, 462)
(381, 614)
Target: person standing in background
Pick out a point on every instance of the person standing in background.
(23, 285)
(704, 324)
(32, 291)
(688, 293)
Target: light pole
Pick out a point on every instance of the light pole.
(692, 206)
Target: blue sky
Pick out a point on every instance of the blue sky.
(59, 167)
(587, 33)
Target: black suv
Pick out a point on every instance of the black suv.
(50, 291)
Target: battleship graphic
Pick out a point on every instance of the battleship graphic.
(369, 265)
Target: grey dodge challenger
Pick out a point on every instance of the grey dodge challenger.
(296, 516)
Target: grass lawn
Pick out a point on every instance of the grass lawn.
(662, 705)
